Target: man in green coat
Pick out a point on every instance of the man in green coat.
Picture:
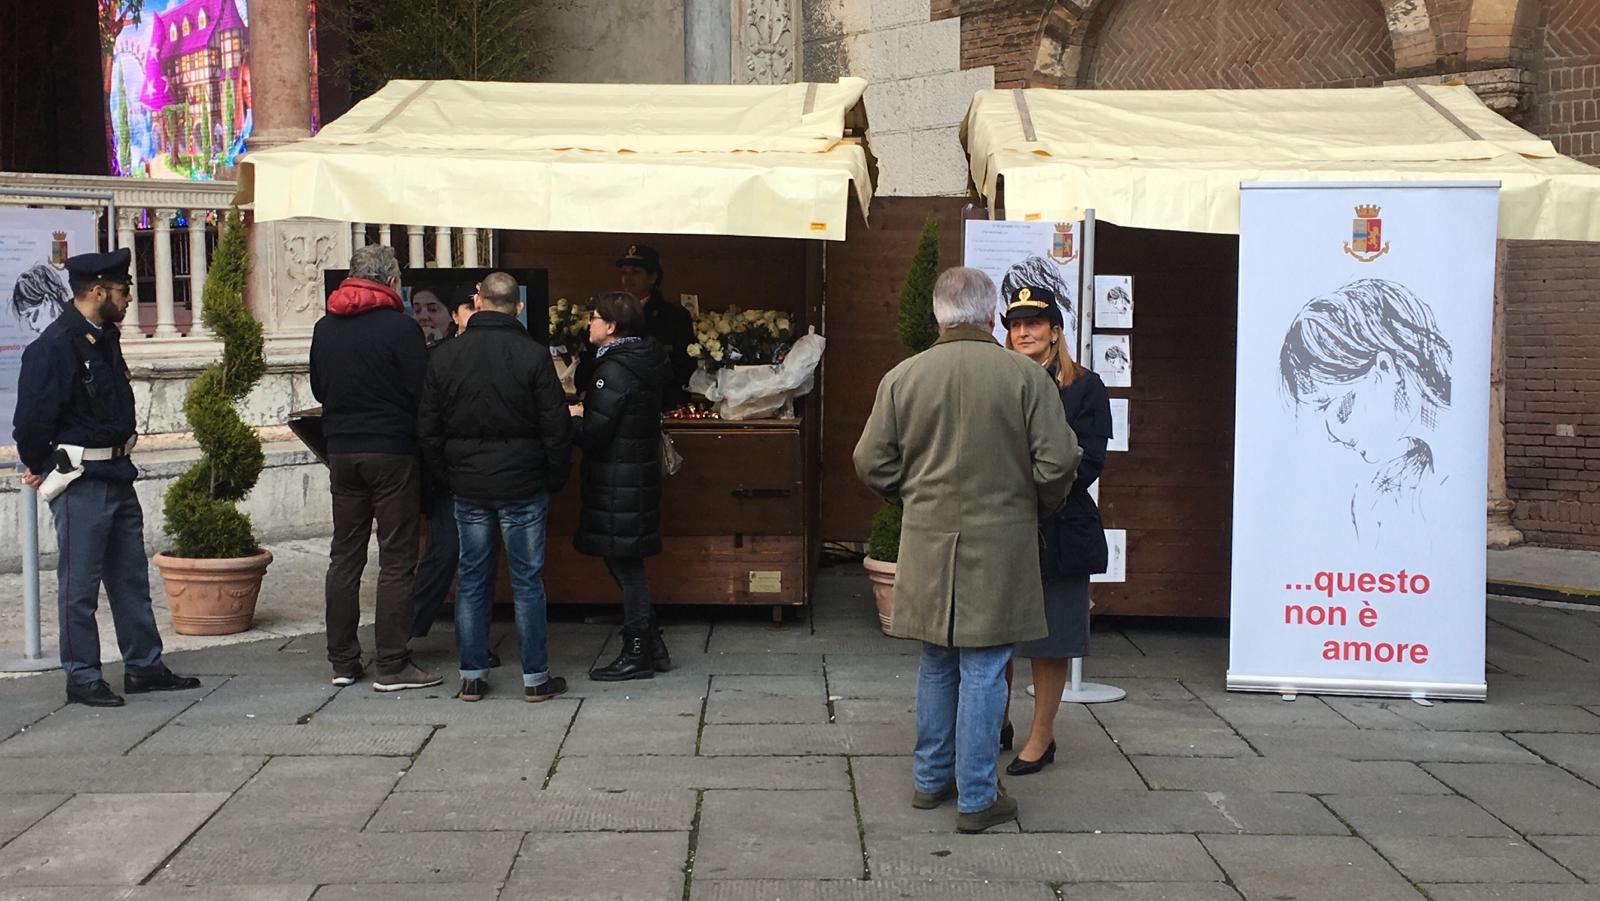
(971, 440)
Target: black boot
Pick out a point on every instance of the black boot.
(658, 649)
(635, 661)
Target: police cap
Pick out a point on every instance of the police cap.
(1028, 302)
(111, 267)
(644, 257)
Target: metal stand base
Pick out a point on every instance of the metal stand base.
(22, 663)
(1081, 692)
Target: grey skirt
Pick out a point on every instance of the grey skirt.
(1066, 609)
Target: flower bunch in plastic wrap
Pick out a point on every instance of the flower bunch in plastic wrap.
(741, 337)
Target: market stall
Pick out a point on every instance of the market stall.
(738, 187)
(1160, 172)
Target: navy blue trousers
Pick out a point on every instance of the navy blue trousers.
(100, 536)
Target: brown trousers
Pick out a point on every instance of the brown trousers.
(368, 487)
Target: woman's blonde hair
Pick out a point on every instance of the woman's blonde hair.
(1059, 359)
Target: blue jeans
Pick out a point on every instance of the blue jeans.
(961, 698)
(522, 525)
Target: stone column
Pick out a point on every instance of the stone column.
(127, 221)
(707, 41)
(166, 317)
(280, 72)
(1501, 533)
(197, 268)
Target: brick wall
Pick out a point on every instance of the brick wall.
(1239, 44)
(1553, 308)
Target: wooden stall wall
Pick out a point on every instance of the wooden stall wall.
(1173, 490)
(862, 288)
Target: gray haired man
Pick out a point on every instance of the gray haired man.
(971, 440)
(368, 360)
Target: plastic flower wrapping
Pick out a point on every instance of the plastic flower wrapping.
(569, 329)
(737, 337)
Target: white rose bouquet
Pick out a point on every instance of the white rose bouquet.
(737, 336)
(569, 329)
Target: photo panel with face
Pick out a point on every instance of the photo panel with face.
(1027, 254)
(1113, 360)
(1113, 301)
(444, 286)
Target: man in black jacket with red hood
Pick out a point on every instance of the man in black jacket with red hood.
(368, 359)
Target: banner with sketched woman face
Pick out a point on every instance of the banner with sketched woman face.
(1361, 443)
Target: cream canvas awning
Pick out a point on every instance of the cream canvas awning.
(761, 160)
(1175, 159)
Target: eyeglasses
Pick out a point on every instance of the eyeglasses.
(594, 316)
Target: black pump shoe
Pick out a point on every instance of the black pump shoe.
(1020, 767)
(1007, 735)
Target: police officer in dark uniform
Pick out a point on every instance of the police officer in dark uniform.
(74, 427)
(670, 324)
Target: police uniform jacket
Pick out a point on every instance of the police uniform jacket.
(969, 439)
(74, 389)
(1073, 542)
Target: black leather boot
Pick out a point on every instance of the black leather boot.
(658, 649)
(635, 661)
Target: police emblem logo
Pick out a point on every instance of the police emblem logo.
(58, 250)
(1061, 249)
(633, 250)
(1024, 295)
(1366, 234)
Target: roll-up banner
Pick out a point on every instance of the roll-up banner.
(1361, 438)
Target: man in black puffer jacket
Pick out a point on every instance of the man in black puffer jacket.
(495, 433)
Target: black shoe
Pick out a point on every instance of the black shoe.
(93, 694)
(1020, 767)
(545, 690)
(633, 663)
(658, 651)
(1007, 735)
(494, 660)
(163, 679)
(473, 689)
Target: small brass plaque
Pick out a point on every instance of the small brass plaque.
(766, 581)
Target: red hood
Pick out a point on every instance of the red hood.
(357, 295)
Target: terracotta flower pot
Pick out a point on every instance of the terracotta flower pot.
(212, 597)
(882, 576)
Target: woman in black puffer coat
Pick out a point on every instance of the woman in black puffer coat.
(618, 428)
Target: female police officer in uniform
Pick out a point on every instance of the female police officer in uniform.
(73, 396)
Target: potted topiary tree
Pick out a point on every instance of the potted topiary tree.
(213, 571)
(917, 330)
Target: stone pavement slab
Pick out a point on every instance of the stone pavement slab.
(1375, 713)
(1307, 869)
(883, 791)
(463, 761)
(1513, 892)
(600, 866)
(1461, 859)
(701, 772)
(1415, 815)
(767, 699)
(116, 774)
(1314, 776)
(865, 710)
(1177, 811)
(1150, 891)
(1368, 744)
(1052, 858)
(863, 890)
(1247, 710)
(76, 729)
(854, 739)
(1498, 716)
(524, 809)
(1577, 754)
(746, 663)
(1535, 800)
(311, 793)
(280, 856)
(271, 739)
(478, 891)
(20, 811)
(503, 715)
(1578, 853)
(778, 835)
(625, 733)
(105, 839)
(259, 700)
(161, 893)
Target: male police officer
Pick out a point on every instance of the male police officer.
(74, 428)
(639, 271)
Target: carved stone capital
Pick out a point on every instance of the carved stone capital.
(285, 290)
(1506, 91)
(766, 41)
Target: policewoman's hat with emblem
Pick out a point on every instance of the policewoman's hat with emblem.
(644, 257)
(1028, 302)
(111, 267)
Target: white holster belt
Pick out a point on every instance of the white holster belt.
(67, 465)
